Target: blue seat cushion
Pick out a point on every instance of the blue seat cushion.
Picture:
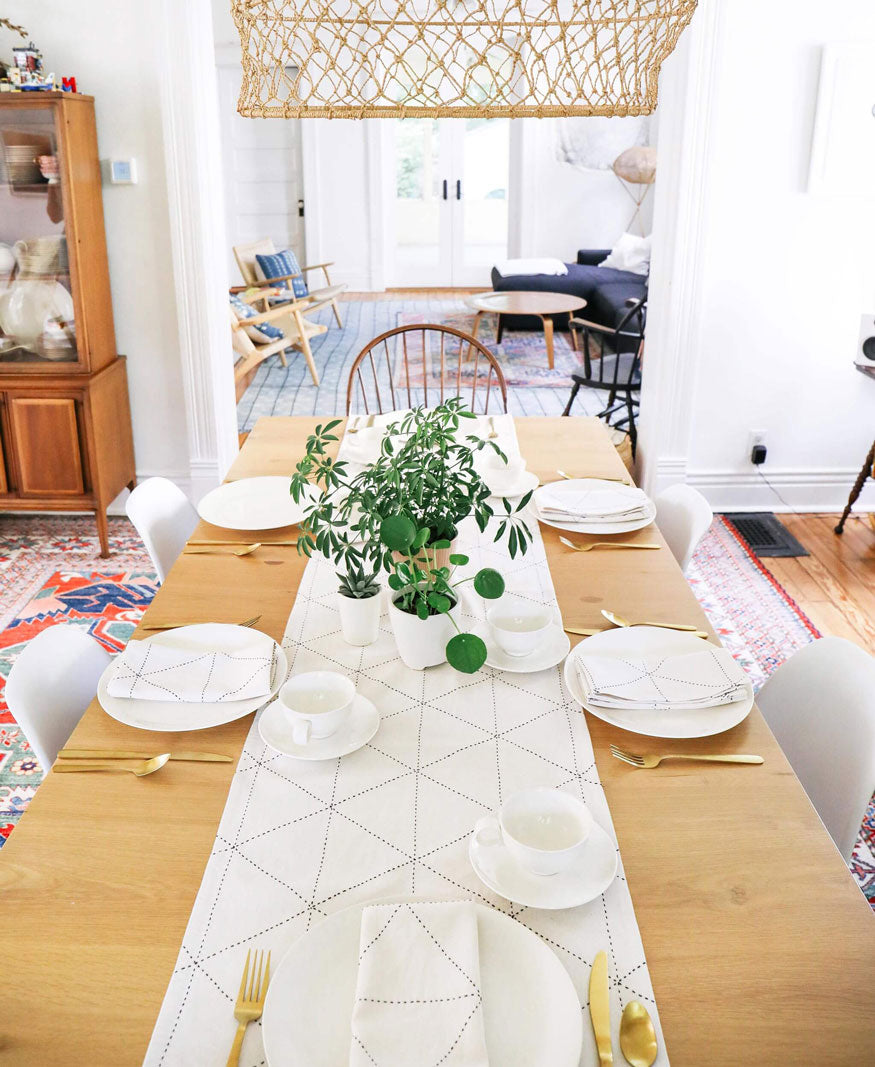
(261, 331)
(276, 265)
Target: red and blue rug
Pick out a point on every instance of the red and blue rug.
(51, 572)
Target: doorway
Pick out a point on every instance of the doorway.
(448, 221)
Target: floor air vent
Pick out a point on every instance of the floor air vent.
(765, 535)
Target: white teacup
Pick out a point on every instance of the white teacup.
(317, 703)
(518, 626)
(545, 830)
(499, 476)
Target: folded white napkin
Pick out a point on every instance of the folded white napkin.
(545, 265)
(592, 503)
(418, 998)
(683, 683)
(149, 671)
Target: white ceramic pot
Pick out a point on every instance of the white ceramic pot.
(421, 642)
(360, 618)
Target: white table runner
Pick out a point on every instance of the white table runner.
(300, 840)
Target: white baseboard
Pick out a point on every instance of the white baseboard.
(786, 490)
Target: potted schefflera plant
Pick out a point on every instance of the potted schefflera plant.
(402, 513)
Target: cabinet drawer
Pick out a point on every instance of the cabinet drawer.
(45, 438)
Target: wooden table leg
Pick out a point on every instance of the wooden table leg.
(548, 338)
(102, 532)
(468, 355)
(858, 487)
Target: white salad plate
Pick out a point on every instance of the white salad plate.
(593, 527)
(531, 1010)
(525, 483)
(276, 732)
(251, 504)
(627, 641)
(587, 878)
(167, 715)
(555, 648)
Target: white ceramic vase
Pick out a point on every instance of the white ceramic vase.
(360, 618)
(421, 642)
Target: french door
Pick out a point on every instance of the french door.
(448, 216)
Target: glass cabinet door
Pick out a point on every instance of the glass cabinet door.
(37, 320)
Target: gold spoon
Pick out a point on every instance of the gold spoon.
(492, 434)
(619, 620)
(354, 426)
(245, 551)
(148, 766)
(605, 544)
(637, 1036)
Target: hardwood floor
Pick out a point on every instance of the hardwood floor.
(835, 585)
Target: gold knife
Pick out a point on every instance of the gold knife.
(583, 632)
(600, 1008)
(98, 753)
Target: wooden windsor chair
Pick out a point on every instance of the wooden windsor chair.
(424, 365)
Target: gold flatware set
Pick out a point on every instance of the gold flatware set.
(648, 761)
(594, 477)
(250, 1000)
(607, 544)
(369, 422)
(176, 625)
(637, 1035)
(97, 753)
(77, 760)
(619, 620)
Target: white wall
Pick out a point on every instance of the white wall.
(112, 50)
(781, 276)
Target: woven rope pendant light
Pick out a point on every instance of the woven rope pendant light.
(455, 58)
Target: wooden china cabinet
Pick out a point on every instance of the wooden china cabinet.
(65, 424)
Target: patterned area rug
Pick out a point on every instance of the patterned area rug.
(50, 572)
(522, 354)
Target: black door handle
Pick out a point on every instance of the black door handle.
(458, 189)
(445, 188)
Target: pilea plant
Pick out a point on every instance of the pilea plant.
(424, 589)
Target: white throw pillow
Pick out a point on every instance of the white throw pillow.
(630, 253)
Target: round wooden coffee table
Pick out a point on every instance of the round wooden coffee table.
(519, 302)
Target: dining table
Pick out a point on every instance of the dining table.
(760, 946)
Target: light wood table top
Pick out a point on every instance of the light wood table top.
(760, 946)
(525, 302)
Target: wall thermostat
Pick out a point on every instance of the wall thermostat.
(122, 171)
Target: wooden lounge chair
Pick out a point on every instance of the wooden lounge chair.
(315, 298)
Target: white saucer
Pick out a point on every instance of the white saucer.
(526, 483)
(585, 880)
(359, 728)
(551, 653)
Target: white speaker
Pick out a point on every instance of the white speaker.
(865, 358)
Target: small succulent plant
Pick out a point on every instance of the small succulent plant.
(356, 584)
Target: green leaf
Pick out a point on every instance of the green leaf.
(422, 609)
(395, 582)
(512, 542)
(458, 560)
(421, 538)
(466, 652)
(332, 424)
(397, 532)
(525, 500)
(440, 603)
(443, 543)
(489, 583)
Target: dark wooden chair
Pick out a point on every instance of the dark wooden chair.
(424, 364)
(612, 363)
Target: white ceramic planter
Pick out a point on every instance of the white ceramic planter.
(421, 642)
(360, 618)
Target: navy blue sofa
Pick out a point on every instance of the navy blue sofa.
(605, 290)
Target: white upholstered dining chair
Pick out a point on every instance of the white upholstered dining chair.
(51, 684)
(820, 705)
(683, 516)
(164, 518)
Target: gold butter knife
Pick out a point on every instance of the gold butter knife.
(584, 632)
(99, 753)
(600, 1008)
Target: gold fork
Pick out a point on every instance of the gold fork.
(250, 1001)
(648, 761)
(177, 625)
(600, 478)
(606, 544)
(246, 550)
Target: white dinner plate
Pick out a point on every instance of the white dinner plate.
(587, 878)
(251, 504)
(276, 732)
(531, 1010)
(166, 715)
(554, 649)
(593, 527)
(654, 641)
